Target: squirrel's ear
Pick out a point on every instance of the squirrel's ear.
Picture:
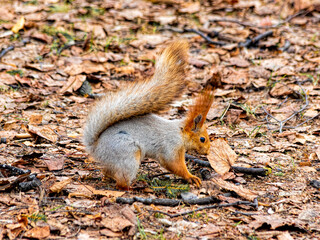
(197, 123)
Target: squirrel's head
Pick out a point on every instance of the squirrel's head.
(194, 130)
(196, 138)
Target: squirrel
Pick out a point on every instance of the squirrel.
(122, 127)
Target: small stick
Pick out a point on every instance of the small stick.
(245, 24)
(255, 40)
(252, 171)
(206, 207)
(14, 171)
(12, 47)
(198, 161)
(167, 202)
(201, 34)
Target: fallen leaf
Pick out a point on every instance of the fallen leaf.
(190, 7)
(240, 190)
(58, 186)
(73, 84)
(84, 67)
(274, 221)
(221, 156)
(89, 191)
(285, 236)
(38, 232)
(55, 163)
(280, 89)
(44, 132)
(35, 119)
(19, 25)
(125, 70)
(239, 62)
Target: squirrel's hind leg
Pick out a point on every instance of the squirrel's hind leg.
(120, 156)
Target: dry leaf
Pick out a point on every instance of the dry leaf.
(73, 84)
(35, 119)
(285, 236)
(58, 186)
(88, 191)
(38, 232)
(240, 190)
(221, 156)
(125, 70)
(55, 163)
(239, 62)
(44, 132)
(19, 25)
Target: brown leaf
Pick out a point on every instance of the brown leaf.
(240, 190)
(42, 67)
(19, 25)
(120, 219)
(190, 7)
(73, 84)
(197, 62)
(274, 221)
(239, 62)
(125, 70)
(89, 191)
(58, 186)
(55, 163)
(42, 37)
(38, 232)
(280, 89)
(44, 132)
(35, 119)
(221, 156)
(236, 77)
(285, 236)
(85, 67)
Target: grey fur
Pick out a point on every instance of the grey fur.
(117, 145)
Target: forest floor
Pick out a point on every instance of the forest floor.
(268, 107)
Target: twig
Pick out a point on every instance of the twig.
(6, 50)
(201, 34)
(14, 171)
(309, 119)
(246, 24)
(167, 202)
(198, 161)
(252, 171)
(244, 213)
(255, 40)
(207, 207)
(12, 47)
(283, 122)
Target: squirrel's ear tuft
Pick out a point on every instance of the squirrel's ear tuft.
(197, 123)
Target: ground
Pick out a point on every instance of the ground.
(57, 56)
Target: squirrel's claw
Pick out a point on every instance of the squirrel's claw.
(195, 180)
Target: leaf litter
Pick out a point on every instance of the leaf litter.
(58, 55)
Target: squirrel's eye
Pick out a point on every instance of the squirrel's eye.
(202, 139)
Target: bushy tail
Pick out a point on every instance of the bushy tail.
(142, 97)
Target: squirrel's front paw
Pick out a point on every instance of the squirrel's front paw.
(194, 180)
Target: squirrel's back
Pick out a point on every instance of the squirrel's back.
(142, 97)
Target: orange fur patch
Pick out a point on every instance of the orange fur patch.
(201, 107)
